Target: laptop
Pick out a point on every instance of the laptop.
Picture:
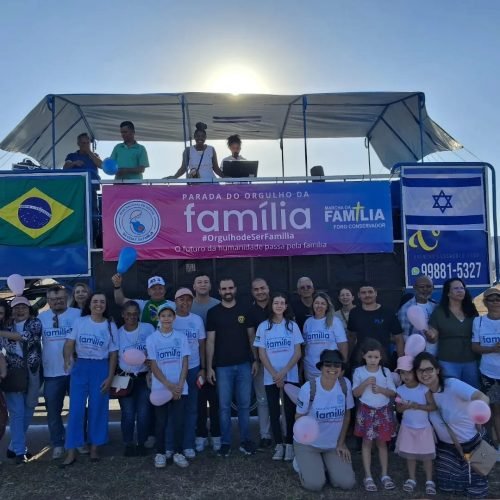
(240, 168)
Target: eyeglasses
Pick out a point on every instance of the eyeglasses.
(335, 364)
(425, 371)
(55, 321)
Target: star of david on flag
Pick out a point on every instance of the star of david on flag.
(443, 199)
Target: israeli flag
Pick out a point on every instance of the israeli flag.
(442, 199)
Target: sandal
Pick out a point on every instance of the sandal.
(409, 485)
(369, 484)
(387, 482)
(430, 488)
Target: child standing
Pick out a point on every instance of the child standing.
(374, 386)
(415, 438)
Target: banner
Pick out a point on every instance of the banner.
(43, 224)
(245, 220)
(447, 254)
(443, 198)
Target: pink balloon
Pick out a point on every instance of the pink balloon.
(159, 397)
(292, 392)
(16, 284)
(416, 316)
(306, 430)
(415, 344)
(134, 357)
(398, 399)
(479, 412)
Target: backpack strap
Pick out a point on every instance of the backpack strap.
(312, 394)
(343, 386)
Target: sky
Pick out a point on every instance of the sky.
(448, 49)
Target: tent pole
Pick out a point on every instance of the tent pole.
(421, 104)
(367, 146)
(304, 106)
(51, 103)
(282, 158)
(183, 104)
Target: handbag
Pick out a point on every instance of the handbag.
(481, 459)
(16, 379)
(121, 386)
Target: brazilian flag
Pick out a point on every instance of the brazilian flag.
(43, 224)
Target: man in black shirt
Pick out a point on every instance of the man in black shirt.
(373, 320)
(302, 308)
(230, 349)
(259, 312)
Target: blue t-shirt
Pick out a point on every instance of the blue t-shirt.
(88, 164)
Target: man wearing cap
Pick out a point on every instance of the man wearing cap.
(191, 325)
(423, 288)
(259, 312)
(230, 349)
(57, 323)
(149, 308)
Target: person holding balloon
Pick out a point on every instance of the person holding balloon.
(486, 342)
(460, 407)
(94, 339)
(322, 419)
(135, 407)
(278, 340)
(415, 437)
(168, 351)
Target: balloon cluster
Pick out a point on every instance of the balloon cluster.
(16, 284)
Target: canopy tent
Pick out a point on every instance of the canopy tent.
(395, 124)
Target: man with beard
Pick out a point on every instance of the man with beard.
(230, 349)
(259, 312)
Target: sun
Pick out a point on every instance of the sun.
(236, 80)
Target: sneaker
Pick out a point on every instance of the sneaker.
(247, 448)
(189, 453)
(57, 452)
(21, 459)
(279, 452)
(160, 461)
(216, 443)
(129, 451)
(224, 450)
(180, 460)
(295, 465)
(289, 453)
(150, 442)
(265, 444)
(83, 450)
(200, 443)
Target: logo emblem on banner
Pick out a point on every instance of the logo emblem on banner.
(137, 222)
(35, 213)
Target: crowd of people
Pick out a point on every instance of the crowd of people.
(208, 353)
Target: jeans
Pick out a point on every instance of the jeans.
(171, 411)
(54, 392)
(262, 407)
(273, 400)
(134, 408)
(20, 415)
(234, 379)
(208, 394)
(467, 372)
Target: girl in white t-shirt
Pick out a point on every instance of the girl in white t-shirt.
(322, 331)
(415, 437)
(374, 386)
(278, 340)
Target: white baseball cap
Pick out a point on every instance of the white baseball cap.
(155, 280)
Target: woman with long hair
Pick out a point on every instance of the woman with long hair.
(94, 338)
(346, 299)
(451, 325)
(278, 340)
(80, 295)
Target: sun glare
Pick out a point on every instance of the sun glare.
(236, 80)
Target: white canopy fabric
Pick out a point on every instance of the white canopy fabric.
(395, 123)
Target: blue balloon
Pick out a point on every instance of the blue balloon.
(126, 259)
(109, 166)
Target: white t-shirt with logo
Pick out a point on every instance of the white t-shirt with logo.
(318, 337)
(193, 328)
(453, 402)
(53, 339)
(168, 350)
(135, 339)
(382, 379)
(279, 343)
(486, 332)
(328, 408)
(93, 340)
(415, 419)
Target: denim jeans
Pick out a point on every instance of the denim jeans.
(171, 411)
(134, 408)
(54, 392)
(191, 410)
(20, 415)
(262, 407)
(467, 372)
(234, 380)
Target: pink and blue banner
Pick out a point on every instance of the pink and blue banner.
(245, 220)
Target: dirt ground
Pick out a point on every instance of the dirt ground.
(208, 477)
